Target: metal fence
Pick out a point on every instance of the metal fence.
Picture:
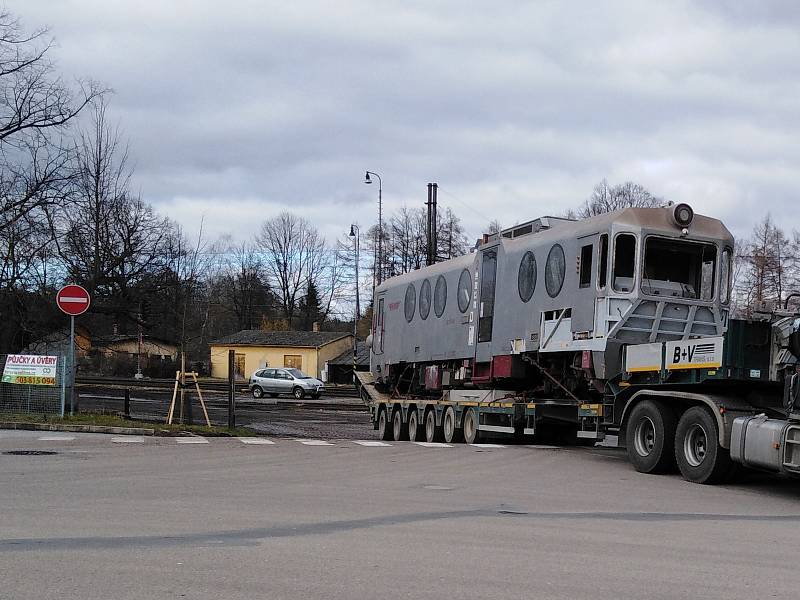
(42, 391)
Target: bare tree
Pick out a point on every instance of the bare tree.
(607, 198)
(296, 254)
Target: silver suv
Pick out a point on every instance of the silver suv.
(284, 381)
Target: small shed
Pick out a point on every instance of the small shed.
(255, 349)
(340, 369)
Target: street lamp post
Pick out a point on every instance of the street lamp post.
(354, 233)
(367, 179)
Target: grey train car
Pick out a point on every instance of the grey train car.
(547, 307)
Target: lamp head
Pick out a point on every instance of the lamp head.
(366, 178)
(352, 231)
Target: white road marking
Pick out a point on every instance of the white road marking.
(315, 443)
(191, 440)
(128, 439)
(56, 438)
(432, 444)
(256, 440)
(543, 447)
(371, 444)
(488, 445)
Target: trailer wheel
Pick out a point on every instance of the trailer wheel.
(432, 432)
(471, 432)
(650, 437)
(399, 430)
(414, 430)
(700, 457)
(451, 434)
(384, 431)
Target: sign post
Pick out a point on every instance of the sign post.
(73, 300)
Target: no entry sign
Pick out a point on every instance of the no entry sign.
(73, 300)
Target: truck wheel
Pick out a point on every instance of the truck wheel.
(399, 431)
(471, 432)
(414, 430)
(650, 437)
(384, 431)
(432, 433)
(700, 457)
(451, 434)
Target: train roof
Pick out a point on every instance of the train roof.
(550, 229)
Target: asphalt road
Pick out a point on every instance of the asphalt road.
(160, 519)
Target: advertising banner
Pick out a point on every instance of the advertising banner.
(30, 369)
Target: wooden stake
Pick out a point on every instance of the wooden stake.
(199, 395)
(174, 395)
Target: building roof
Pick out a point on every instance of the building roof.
(291, 339)
(346, 358)
(116, 338)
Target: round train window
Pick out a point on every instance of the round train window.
(464, 290)
(554, 271)
(526, 280)
(440, 296)
(425, 299)
(411, 302)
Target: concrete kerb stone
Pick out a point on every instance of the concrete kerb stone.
(77, 428)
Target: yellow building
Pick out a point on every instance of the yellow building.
(255, 349)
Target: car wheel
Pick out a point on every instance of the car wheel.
(650, 437)
(700, 457)
(257, 392)
(298, 393)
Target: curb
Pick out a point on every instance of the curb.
(76, 428)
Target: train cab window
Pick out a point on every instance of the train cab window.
(554, 270)
(411, 302)
(624, 262)
(602, 264)
(725, 276)
(679, 269)
(585, 271)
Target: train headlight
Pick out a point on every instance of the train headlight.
(682, 215)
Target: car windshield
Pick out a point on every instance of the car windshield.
(297, 374)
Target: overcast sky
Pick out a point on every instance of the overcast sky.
(238, 110)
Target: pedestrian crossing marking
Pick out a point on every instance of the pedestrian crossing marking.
(128, 439)
(433, 444)
(488, 445)
(56, 438)
(370, 444)
(315, 443)
(256, 440)
(191, 440)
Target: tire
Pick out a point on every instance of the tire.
(650, 437)
(414, 430)
(384, 431)
(451, 433)
(257, 392)
(699, 456)
(298, 393)
(432, 432)
(399, 429)
(472, 434)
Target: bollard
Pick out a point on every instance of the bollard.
(127, 407)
